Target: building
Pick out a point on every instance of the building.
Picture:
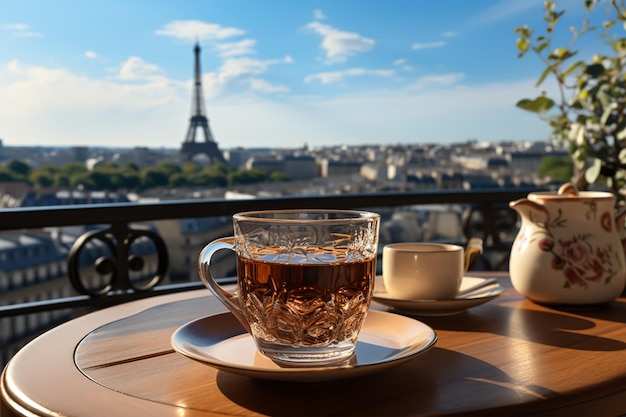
(335, 168)
(32, 268)
(187, 237)
(530, 161)
(300, 167)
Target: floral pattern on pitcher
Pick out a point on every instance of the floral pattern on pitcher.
(578, 259)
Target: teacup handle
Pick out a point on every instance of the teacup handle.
(473, 249)
(231, 301)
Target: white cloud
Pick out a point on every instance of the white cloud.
(196, 29)
(15, 26)
(91, 55)
(20, 30)
(337, 76)
(402, 63)
(242, 47)
(440, 80)
(238, 67)
(338, 44)
(319, 15)
(237, 72)
(437, 44)
(450, 34)
(258, 84)
(136, 68)
(77, 110)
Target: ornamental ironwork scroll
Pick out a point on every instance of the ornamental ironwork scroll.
(116, 268)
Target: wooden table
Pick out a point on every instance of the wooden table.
(506, 357)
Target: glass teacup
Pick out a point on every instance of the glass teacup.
(305, 280)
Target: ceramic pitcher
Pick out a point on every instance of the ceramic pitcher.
(568, 249)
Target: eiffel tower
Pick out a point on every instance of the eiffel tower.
(199, 121)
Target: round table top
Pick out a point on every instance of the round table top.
(509, 356)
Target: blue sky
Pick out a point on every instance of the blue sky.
(275, 72)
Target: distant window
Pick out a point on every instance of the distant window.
(17, 280)
(30, 275)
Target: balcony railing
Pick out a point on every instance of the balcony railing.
(486, 213)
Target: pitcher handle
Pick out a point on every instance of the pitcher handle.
(231, 301)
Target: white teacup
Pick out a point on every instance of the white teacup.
(423, 271)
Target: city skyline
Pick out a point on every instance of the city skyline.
(280, 74)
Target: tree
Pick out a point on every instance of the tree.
(218, 169)
(73, 168)
(279, 176)
(178, 180)
(101, 181)
(190, 168)
(42, 178)
(247, 176)
(130, 178)
(168, 168)
(82, 180)
(18, 168)
(559, 169)
(112, 176)
(589, 113)
(153, 177)
(45, 176)
(6, 176)
(207, 179)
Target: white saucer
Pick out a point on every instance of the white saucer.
(220, 341)
(485, 290)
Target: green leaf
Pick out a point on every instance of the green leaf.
(592, 173)
(539, 105)
(559, 53)
(594, 70)
(522, 44)
(540, 47)
(620, 45)
(543, 76)
(606, 114)
(604, 96)
(589, 4)
(580, 136)
(579, 156)
(524, 31)
(573, 67)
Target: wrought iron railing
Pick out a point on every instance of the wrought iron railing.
(485, 210)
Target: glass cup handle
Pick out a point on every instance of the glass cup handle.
(231, 301)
